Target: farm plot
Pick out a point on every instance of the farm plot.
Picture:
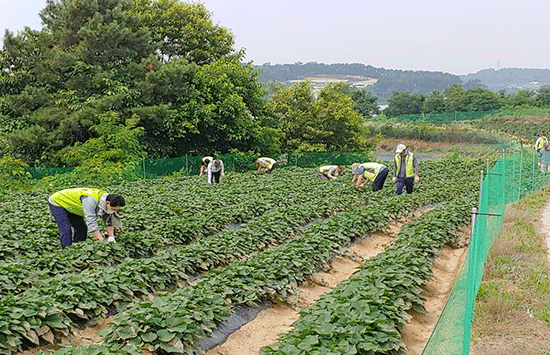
(264, 259)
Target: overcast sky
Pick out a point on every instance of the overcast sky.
(458, 37)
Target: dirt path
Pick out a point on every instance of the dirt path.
(264, 329)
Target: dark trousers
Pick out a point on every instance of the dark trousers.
(406, 182)
(380, 179)
(72, 228)
(216, 176)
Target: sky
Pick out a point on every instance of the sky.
(458, 37)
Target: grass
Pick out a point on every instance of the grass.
(512, 310)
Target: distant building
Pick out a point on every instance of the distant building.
(319, 82)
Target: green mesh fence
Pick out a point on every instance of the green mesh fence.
(450, 116)
(190, 164)
(511, 178)
(39, 173)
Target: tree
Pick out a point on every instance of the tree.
(404, 103)
(161, 60)
(113, 156)
(184, 30)
(542, 98)
(328, 123)
(365, 102)
(98, 32)
(338, 124)
(455, 98)
(478, 99)
(435, 102)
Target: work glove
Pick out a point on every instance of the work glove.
(111, 239)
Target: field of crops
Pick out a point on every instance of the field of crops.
(192, 252)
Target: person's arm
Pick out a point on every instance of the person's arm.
(89, 205)
(358, 185)
(223, 170)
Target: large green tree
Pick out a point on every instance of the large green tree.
(184, 30)
(163, 61)
(404, 103)
(323, 122)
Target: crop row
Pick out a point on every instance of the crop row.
(364, 314)
(16, 276)
(52, 304)
(91, 293)
(171, 323)
(27, 228)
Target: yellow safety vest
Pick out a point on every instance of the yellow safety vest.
(409, 166)
(270, 162)
(371, 170)
(70, 199)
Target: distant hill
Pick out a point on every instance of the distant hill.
(388, 80)
(510, 79)
(423, 82)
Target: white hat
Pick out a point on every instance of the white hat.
(400, 148)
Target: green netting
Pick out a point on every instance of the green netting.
(445, 116)
(510, 179)
(190, 164)
(39, 173)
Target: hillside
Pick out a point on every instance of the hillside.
(388, 80)
(510, 79)
(423, 82)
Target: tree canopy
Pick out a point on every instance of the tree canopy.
(161, 63)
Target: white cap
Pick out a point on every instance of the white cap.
(400, 148)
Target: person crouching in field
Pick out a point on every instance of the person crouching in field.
(76, 212)
(331, 172)
(377, 173)
(215, 170)
(267, 163)
(544, 155)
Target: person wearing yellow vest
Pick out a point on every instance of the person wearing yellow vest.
(331, 172)
(267, 163)
(204, 164)
(377, 173)
(76, 211)
(405, 170)
(539, 144)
